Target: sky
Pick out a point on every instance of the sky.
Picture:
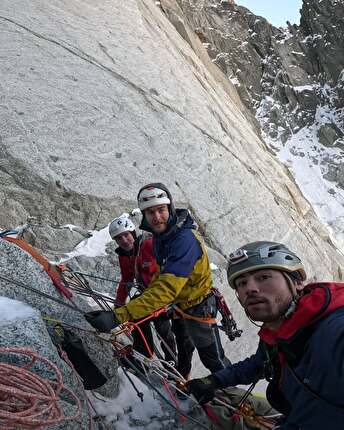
(277, 13)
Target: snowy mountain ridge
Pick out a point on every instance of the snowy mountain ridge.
(292, 81)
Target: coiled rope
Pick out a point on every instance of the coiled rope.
(29, 401)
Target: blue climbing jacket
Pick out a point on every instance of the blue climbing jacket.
(303, 362)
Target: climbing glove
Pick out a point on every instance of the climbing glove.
(103, 321)
(203, 388)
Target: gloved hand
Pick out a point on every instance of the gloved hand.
(203, 388)
(103, 321)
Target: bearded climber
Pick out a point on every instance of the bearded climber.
(301, 350)
(183, 278)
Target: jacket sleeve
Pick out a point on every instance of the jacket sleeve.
(127, 275)
(183, 253)
(244, 372)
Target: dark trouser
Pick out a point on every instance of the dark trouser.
(185, 347)
(163, 328)
(204, 337)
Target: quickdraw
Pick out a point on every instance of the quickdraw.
(80, 285)
(228, 324)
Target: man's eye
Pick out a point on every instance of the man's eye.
(263, 277)
(240, 284)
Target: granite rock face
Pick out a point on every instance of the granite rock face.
(17, 265)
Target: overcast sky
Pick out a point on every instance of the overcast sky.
(276, 12)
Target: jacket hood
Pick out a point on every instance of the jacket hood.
(319, 300)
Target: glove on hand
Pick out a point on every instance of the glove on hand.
(103, 321)
(203, 388)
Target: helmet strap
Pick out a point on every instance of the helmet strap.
(292, 288)
(253, 322)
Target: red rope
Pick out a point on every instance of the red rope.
(29, 401)
(152, 315)
(138, 328)
(136, 325)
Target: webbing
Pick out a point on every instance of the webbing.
(185, 316)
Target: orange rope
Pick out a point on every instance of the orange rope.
(29, 401)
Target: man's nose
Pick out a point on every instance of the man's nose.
(251, 285)
(156, 217)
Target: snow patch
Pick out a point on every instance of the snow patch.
(235, 81)
(213, 267)
(11, 310)
(127, 410)
(93, 246)
(301, 88)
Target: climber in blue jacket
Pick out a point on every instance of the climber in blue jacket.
(301, 349)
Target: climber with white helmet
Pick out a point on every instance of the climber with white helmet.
(301, 348)
(138, 265)
(183, 279)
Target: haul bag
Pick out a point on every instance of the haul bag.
(91, 376)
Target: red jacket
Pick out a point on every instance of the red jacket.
(139, 265)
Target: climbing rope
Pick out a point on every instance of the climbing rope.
(29, 401)
(41, 293)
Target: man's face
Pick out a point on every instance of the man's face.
(264, 294)
(157, 217)
(125, 240)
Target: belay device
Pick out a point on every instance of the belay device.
(228, 324)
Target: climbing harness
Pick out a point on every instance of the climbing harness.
(186, 316)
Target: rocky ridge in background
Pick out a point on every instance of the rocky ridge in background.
(298, 68)
(291, 79)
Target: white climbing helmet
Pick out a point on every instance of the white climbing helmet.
(152, 196)
(120, 225)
